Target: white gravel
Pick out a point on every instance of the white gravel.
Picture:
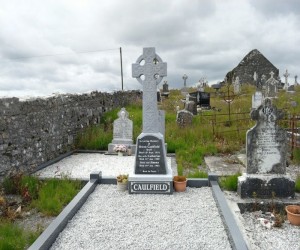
(116, 220)
(286, 237)
(79, 166)
(111, 219)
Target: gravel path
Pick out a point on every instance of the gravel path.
(79, 166)
(187, 220)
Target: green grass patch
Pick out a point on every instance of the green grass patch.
(229, 182)
(54, 194)
(297, 184)
(14, 238)
(198, 174)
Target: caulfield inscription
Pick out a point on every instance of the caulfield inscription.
(149, 187)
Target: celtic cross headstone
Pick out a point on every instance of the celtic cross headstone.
(151, 172)
(286, 76)
(149, 70)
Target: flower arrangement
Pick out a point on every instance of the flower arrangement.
(120, 148)
(122, 178)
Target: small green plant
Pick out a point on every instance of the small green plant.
(122, 178)
(229, 182)
(54, 194)
(297, 184)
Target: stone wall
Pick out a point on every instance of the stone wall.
(37, 130)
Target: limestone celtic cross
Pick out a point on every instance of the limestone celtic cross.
(149, 70)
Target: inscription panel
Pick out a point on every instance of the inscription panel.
(149, 156)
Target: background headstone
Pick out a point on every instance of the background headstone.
(257, 99)
(266, 156)
(122, 131)
(237, 85)
(165, 91)
(190, 106)
(271, 86)
(184, 118)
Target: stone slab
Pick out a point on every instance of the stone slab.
(223, 166)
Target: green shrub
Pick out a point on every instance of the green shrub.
(229, 182)
(54, 194)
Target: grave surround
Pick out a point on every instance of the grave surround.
(151, 174)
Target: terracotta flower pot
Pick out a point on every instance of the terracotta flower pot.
(180, 186)
(293, 214)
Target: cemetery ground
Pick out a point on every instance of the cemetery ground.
(213, 132)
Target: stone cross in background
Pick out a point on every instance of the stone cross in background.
(286, 75)
(184, 79)
(271, 86)
(296, 83)
(150, 67)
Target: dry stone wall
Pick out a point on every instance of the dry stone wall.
(38, 130)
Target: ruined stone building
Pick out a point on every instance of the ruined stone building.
(253, 62)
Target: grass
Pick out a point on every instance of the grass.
(55, 194)
(14, 238)
(208, 134)
(297, 184)
(229, 182)
(49, 197)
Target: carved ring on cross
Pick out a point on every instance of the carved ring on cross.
(149, 59)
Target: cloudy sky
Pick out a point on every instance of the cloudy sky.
(72, 46)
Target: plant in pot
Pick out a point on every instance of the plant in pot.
(122, 182)
(179, 183)
(293, 214)
(120, 149)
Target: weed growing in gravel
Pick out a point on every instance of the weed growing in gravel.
(229, 182)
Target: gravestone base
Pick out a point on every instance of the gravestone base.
(264, 184)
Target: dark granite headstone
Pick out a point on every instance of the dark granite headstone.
(201, 98)
(149, 156)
